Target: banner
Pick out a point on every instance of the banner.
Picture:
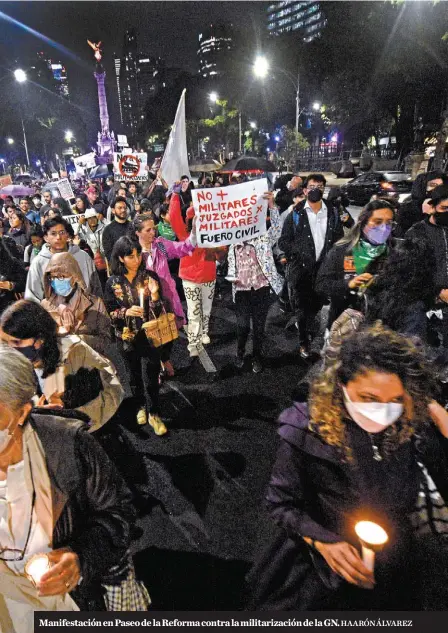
(131, 167)
(86, 161)
(73, 220)
(230, 215)
(5, 181)
(175, 159)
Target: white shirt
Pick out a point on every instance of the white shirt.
(318, 226)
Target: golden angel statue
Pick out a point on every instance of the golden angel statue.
(96, 48)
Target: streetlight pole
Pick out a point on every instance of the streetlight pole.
(298, 101)
(20, 77)
(240, 132)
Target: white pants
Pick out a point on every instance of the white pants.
(199, 306)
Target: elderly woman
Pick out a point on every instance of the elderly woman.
(74, 309)
(69, 372)
(369, 446)
(52, 481)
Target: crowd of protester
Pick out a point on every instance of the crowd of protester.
(369, 441)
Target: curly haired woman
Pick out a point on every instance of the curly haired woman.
(370, 438)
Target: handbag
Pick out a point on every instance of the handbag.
(161, 330)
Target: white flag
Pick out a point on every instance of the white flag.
(175, 159)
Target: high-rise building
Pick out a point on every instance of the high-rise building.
(150, 72)
(214, 45)
(307, 18)
(50, 74)
(129, 92)
(117, 63)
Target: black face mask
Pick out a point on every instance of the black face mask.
(30, 352)
(441, 219)
(315, 195)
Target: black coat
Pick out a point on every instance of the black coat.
(12, 268)
(315, 493)
(332, 282)
(91, 504)
(436, 239)
(297, 244)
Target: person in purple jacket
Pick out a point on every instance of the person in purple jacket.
(371, 445)
(156, 252)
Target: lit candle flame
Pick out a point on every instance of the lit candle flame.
(36, 567)
(371, 533)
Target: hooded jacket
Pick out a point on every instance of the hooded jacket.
(35, 284)
(93, 238)
(87, 315)
(411, 212)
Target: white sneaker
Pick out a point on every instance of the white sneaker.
(206, 339)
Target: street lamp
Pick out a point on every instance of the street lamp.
(261, 68)
(68, 136)
(10, 141)
(20, 77)
(213, 97)
(316, 106)
(253, 125)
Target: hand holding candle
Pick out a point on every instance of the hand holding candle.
(373, 538)
(36, 567)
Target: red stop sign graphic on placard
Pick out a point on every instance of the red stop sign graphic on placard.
(129, 166)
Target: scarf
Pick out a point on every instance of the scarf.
(364, 253)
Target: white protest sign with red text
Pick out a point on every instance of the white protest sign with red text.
(230, 215)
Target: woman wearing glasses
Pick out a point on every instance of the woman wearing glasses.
(350, 266)
(52, 481)
(56, 235)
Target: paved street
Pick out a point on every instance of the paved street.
(197, 536)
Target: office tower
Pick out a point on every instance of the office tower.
(214, 45)
(305, 18)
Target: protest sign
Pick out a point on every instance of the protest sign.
(131, 167)
(86, 161)
(230, 215)
(73, 220)
(5, 181)
(65, 188)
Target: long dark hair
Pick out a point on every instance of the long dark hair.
(404, 280)
(124, 247)
(355, 234)
(9, 265)
(26, 319)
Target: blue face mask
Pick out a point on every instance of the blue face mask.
(62, 287)
(378, 234)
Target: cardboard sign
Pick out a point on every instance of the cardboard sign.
(230, 215)
(65, 188)
(131, 167)
(5, 181)
(73, 220)
(86, 161)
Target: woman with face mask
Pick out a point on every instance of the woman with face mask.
(367, 443)
(350, 266)
(74, 309)
(70, 374)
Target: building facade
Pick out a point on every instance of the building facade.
(306, 18)
(50, 73)
(214, 46)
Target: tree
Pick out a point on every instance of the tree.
(290, 143)
(223, 129)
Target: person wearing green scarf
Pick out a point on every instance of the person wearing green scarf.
(351, 264)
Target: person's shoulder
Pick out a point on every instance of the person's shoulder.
(57, 423)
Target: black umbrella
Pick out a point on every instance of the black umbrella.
(100, 171)
(247, 164)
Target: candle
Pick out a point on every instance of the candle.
(372, 537)
(142, 297)
(36, 567)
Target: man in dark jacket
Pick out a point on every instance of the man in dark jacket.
(286, 185)
(119, 227)
(411, 212)
(434, 233)
(308, 234)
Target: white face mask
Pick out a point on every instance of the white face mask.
(383, 414)
(5, 438)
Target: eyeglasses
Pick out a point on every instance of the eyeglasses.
(15, 555)
(321, 187)
(58, 234)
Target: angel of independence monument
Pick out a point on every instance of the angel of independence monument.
(106, 139)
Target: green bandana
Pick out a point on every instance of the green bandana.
(364, 253)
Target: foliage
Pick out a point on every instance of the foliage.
(290, 143)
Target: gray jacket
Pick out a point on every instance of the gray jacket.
(93, 238)
(34, 290)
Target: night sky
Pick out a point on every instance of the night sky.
(166, 29)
